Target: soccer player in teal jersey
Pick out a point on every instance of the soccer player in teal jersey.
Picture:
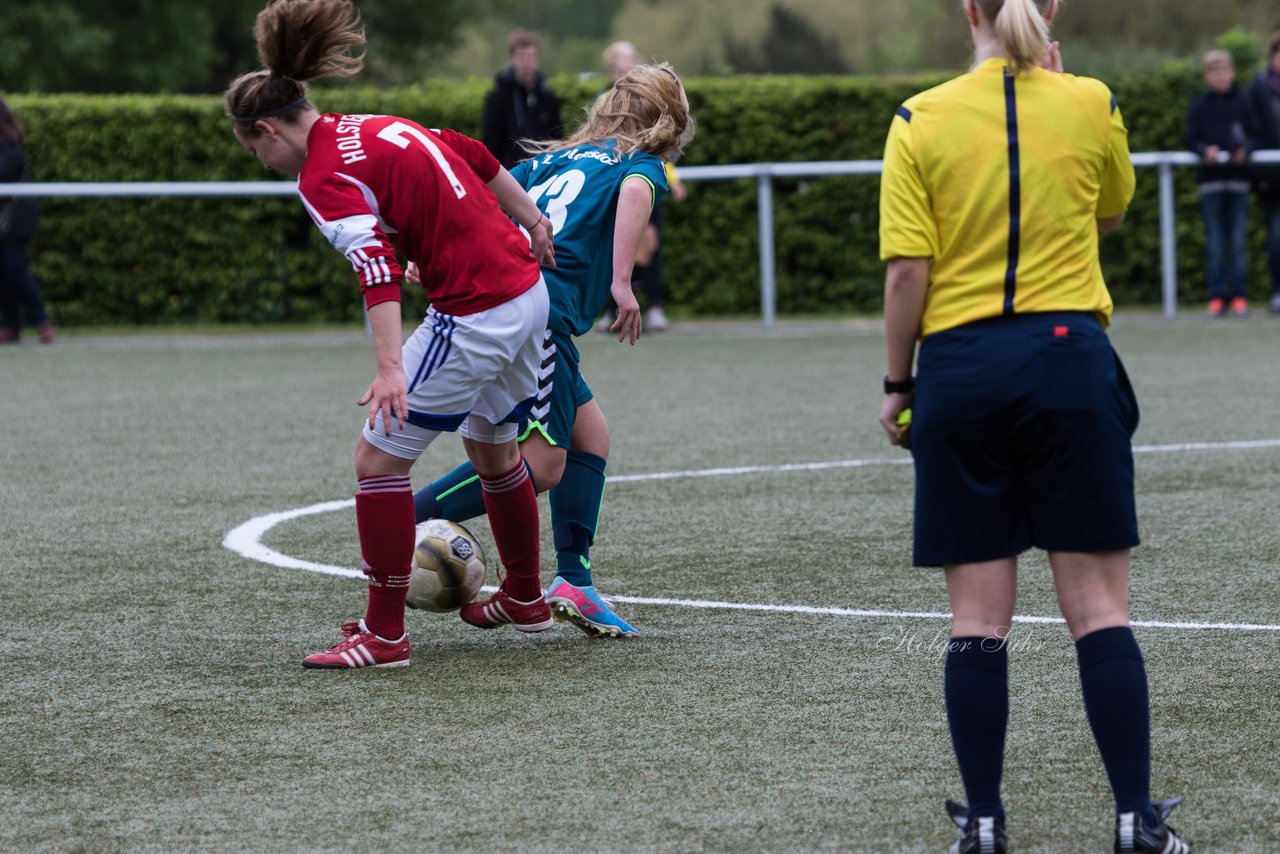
(579, 190)
(597, 189)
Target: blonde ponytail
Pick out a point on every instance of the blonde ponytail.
(1021, 28)
(646, 110)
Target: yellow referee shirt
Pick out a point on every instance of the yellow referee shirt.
(999, 179)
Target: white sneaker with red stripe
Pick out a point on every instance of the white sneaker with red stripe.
(500, 610)
(361, 648)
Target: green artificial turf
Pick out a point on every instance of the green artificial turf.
(152, 698)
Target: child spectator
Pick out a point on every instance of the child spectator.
(1216, 132)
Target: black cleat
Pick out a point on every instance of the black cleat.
(1133, 836)
(983, 835)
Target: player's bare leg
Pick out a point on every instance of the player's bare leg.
(1092, 588)
(546, 461)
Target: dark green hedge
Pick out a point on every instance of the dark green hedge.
(257, 259)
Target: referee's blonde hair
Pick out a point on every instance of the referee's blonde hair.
(1021, 27)
(646, 110)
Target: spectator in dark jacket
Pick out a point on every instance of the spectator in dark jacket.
(1264, 112)
(520, 106)
(18, 288)
(1216, 131)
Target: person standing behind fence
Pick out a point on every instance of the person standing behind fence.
(1264, 114)
(619, 58)
(18, 222)
(1216, 132)
(995, 187)
(520, 106)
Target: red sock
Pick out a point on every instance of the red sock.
(512, 506)
(384, 515)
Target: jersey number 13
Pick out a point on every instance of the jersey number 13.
(560, 192)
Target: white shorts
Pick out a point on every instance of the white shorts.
(474, 373)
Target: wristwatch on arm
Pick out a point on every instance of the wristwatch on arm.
(899, 386)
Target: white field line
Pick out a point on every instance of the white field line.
(1207, 446)
(246, 540)
(726, 472)
(910, 615)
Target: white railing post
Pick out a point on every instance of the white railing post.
(768, 260)
(1168, 241)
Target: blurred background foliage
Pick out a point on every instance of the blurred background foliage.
(167, 260)
(115, 46)
(175, 47)
(770, 80)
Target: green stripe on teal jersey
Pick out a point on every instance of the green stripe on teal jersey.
(653, 191)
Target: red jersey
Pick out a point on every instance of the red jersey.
(377, 184)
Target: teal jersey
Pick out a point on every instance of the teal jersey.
(577, 189)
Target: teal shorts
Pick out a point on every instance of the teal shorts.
(561, 391)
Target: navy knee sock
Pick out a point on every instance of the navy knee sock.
(1113, 680)
(976, 686)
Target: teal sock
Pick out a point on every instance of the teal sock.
(575, 514)
(457, 496)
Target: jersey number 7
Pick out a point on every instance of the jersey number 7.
(399, 133)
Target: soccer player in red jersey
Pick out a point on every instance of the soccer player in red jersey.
(375, 185)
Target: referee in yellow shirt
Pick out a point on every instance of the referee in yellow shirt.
(995, 188)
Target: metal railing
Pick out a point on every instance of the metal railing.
(763, 173)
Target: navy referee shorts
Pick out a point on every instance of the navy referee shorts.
(1021, 433)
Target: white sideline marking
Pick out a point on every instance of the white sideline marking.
(723, 472)
(1208, 446)
(904, 461)
(919, 615)
(246, 540)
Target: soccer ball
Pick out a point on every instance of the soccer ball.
(448, 567)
